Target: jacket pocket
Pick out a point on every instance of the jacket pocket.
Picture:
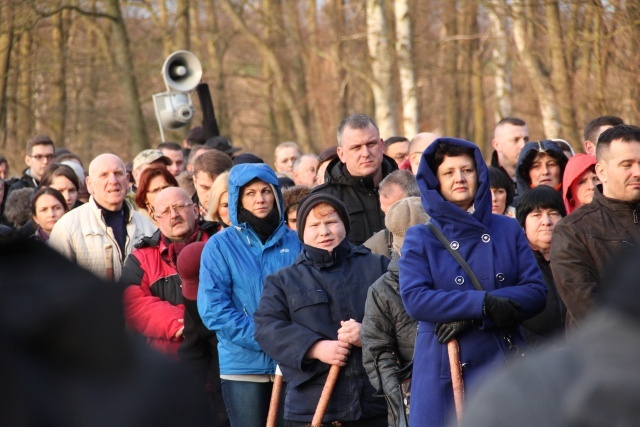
(303, 299)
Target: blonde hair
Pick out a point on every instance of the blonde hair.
(218, 188)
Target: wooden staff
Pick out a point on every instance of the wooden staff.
(272, 417)
(325, 396)
(456, 377)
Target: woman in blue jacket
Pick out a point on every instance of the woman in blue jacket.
(455, 189)
(234, 265)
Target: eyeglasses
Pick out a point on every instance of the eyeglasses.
(41, 157)
(178, 208)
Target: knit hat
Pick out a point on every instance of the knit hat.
(403, 214)
(313, 200)
(188, 266)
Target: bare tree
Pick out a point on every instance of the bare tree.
(404, 54)
(378, 42)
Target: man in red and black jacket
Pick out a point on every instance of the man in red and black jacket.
(153, 301)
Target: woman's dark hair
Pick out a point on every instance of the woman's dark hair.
(51, 192)
(541, 197)
(449, 150)
(145, 179)
(56, 169)
(499, 179)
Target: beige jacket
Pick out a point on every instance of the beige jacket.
(82, 236)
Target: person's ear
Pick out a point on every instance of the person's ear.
(341, 154)
(601, 171)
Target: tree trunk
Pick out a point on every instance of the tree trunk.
(560, 79)
(215, 59)
(58, 98)
(182, 25)
(378, 42)
(6, 47)
(404, 52)
(538, 78)
(451, 97)
(271, 60)
(25, 126)
(124, 64)
(501, 65)
(338, 55)
(477, 95)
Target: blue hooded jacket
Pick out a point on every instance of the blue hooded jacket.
(434, 288)
(232, 271)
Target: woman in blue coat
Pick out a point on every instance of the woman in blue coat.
(455, 189)
(234, 264)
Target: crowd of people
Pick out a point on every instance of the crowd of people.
(388, 260)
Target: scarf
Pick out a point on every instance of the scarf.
(263, 227)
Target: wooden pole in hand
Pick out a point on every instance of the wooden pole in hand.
(325, 396)
(272, 417)
(456, 377)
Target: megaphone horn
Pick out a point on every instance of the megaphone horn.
(182, 71)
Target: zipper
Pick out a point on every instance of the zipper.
(635, 217)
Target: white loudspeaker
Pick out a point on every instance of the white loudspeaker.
(182, 71)
(173, 109)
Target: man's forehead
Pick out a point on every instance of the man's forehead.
(353, 136)
(170, 198)
(508, 129)
(42, 148)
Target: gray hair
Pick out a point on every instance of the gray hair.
(404, 179)
(296, 164)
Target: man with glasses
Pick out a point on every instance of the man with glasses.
(40, 154)
(101, 233)
(153, 296)
(397, 147)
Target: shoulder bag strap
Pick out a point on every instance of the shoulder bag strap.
(435, 230)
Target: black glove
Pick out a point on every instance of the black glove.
(503, 311)
(448, 331)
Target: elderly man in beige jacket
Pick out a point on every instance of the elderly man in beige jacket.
(101, 233)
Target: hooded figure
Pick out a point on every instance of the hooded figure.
(526, 158)
(438, 293)
(576, 166)
(234, 264)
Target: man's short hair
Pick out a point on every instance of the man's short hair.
(591, 128)
(213, 163)
(38, 140)
(511, 121)
(404, 179)
(169, 145)
(287, 144)
(355, 121)
(624, 133)
(194, 152)
(393, 140)
(297, 162)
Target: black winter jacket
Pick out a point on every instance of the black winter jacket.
(388, 337)
(305, 303)
(360, 196)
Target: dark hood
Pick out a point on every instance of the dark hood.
(528, 153)
(445, 214)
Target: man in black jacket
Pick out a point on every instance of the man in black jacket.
(355, 174)
(40, 153)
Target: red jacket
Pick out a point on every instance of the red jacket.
(152, 298)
